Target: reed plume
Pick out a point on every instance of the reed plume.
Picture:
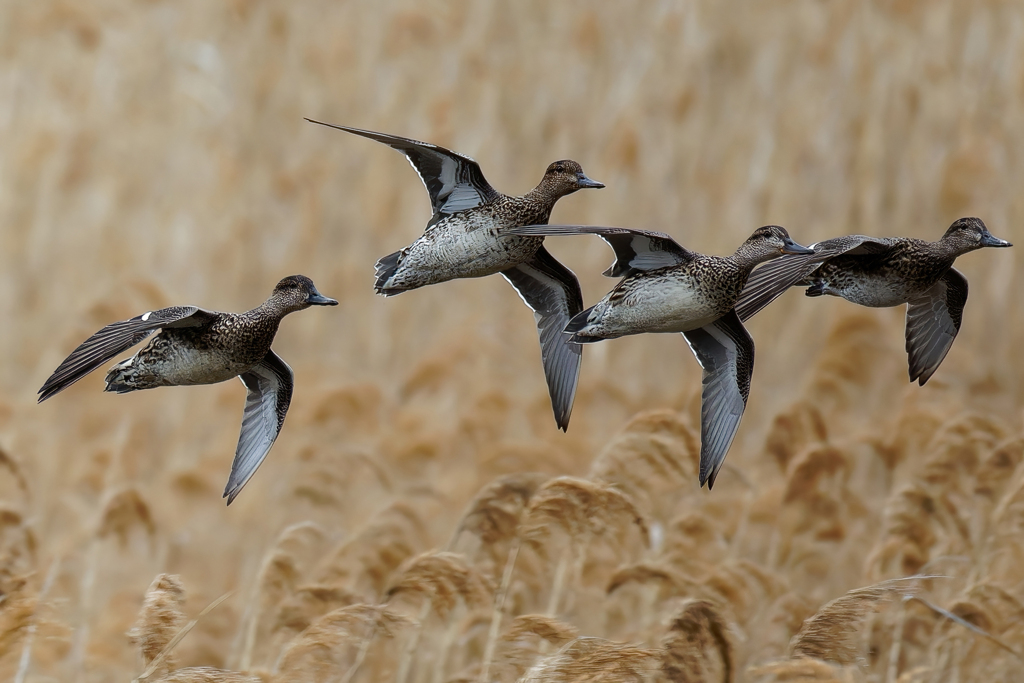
(582, 509)
(654, 456)
(492, 517)
(17, 606)
(802, 669)
(328, 646)
(830, 634)
(203, 674)
(365, 562)
(441, 578)
(160, 618)
(697, 646)
(590, 660)
(125, 511)
(793, 430)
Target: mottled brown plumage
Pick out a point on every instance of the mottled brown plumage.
(883, 272)
(465, 239)
(668, 288)
(196, 346)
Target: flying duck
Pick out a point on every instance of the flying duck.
(882, 272)
(462, 240)
(667, 288)
(196, 346)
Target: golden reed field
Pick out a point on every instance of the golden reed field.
(420, 519)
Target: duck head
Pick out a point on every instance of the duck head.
(565, 177)
(968, 234)
(297, 292)
(769, 242)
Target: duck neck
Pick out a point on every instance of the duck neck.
(543, 197)
(748, 255)
(275, 308)
(948, 249)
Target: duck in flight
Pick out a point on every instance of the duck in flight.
(667, 288)
(463, 239)
(883, 272)
(196, 346)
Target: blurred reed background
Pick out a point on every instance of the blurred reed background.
(154, 153)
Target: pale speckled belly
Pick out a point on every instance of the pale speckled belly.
(460, 247)
(179, 364)
(875, 292)
(659, 305)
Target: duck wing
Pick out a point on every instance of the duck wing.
(635, 250)
(115, 338)
(454, 181)
(769, 281)
(725, 351)
(933, 320)
(553, 293)
(270, 384)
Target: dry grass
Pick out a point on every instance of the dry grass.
(420, 519)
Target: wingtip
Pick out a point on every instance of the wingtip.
(48, 391)
(919, 376)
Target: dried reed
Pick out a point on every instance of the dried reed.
(802, 670)
(830, 634)
(17, 606)
(320, 652)
(202, 674)
(441, 578)
(276, 580)
(697, 645)
(556, 632)
(799, 426)
(583, 510)
(123, 512)
(366, 561)
(589, 660)
(493, 514)
(160, 618)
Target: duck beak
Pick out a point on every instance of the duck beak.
(791, 247)
(318, 299)
(989, 240)
(583, 181)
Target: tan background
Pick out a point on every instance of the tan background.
(154, 153)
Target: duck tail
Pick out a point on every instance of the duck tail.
(579, 321)
(817, 288)
(120, 379)
(386, 268)
(577, 324)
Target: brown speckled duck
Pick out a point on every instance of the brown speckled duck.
(667, 288)
(462, 240)
(883, 272)
(196, 346)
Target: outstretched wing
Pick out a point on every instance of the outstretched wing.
(454, 181)
(769, 281)
(270, 385)
(635, 250)
(553, 292)
(933, 321)
(115, 338)
(726, 353)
